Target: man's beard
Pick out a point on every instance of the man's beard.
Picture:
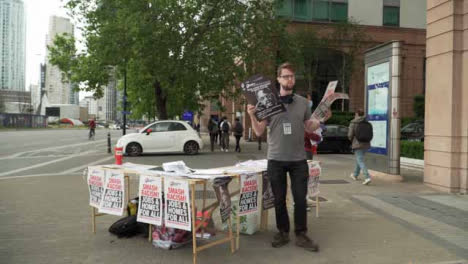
(288, 88)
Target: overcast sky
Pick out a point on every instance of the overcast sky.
(37, 24)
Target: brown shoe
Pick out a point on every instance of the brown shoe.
(302, 240)
(280, 239)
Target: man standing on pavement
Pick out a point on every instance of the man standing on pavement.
(359, 147)
(238, 130)
(286, 154)
(225, 128)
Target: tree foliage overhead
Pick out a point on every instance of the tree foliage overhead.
(175, 53)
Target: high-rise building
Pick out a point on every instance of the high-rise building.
(58, 91)
(12, 45)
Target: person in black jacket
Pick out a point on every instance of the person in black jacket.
(238, 130)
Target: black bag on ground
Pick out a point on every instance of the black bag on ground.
(364, 132)
(128, 227)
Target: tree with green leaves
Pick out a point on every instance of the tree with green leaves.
(174, 54)
(309, 46)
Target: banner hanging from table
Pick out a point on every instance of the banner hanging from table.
(177, 204)
(248, 194)
(220, 186)
(268, 199)
(113, 197)
(149, 210)
(96, 180)
(314, 179)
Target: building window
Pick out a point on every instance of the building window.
(338, 11)
(314, 10)
(391, 13)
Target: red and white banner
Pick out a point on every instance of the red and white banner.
(113, 197)
(149, 208)
(177, 205)
(96, 180)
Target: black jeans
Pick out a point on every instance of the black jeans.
(238, 137)
(213, 140)
(298, 173)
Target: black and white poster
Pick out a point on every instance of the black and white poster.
(113, 197)
(268, 199)
(261, 92)
(149, 210)
(248, 202)
(220, 186)
(96, 181)
(177, 213)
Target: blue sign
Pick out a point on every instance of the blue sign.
(187, 116)
(377, 106)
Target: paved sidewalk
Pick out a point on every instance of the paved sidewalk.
(47, 220)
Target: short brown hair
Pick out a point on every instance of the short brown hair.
(285, 65)
(360, 112)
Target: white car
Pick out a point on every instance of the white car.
(162, 137)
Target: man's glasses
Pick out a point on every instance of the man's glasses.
(288, 77)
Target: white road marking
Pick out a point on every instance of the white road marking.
(44, 163)
(53, 148)
(86, 165)
(36, 175)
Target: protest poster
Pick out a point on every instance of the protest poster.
(314, 179)
(268, 199)
(149, 208)
(220, 186)
(177, 204)
(113, 197)
(248, 195)
(323, 109)
(96, 180)
(260, 92)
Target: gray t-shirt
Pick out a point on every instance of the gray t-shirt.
(286, 133)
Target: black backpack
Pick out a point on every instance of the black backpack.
(238, 129)
(128, 227)
(364, 132)
(225, 126)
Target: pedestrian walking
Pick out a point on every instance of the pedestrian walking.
(225, 128)
(286, 154)
(238, 131)
(213, 130)
(360, 134)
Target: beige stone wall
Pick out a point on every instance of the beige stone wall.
(446, 126)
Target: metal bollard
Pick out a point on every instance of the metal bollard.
(108, 143)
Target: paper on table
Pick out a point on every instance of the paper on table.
(176, 166)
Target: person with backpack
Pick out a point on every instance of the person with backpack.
(360, 133)
(213, 130)
(238, 130)
(225, 127)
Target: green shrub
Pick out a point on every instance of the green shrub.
(412, 149)
(341, 118)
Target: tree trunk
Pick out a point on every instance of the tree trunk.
(161, 100)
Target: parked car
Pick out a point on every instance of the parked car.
(413, 132)
(335, 139)
(162, 137)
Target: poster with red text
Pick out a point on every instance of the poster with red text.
(113, 197)
(177, 210)
(96, 180)
(249, 194)
(149, 208)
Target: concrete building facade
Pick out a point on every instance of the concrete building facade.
(446, 126)
(12, 45)
(58, 92)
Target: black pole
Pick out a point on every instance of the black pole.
(108, 143)
(125, 102)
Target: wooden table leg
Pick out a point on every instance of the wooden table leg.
(317, 205)
(238, 219)
(93, 219)
(194, 231)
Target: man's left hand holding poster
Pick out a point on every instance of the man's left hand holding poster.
(260, 92)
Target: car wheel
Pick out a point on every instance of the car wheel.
(134, 149)
(191, 148)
